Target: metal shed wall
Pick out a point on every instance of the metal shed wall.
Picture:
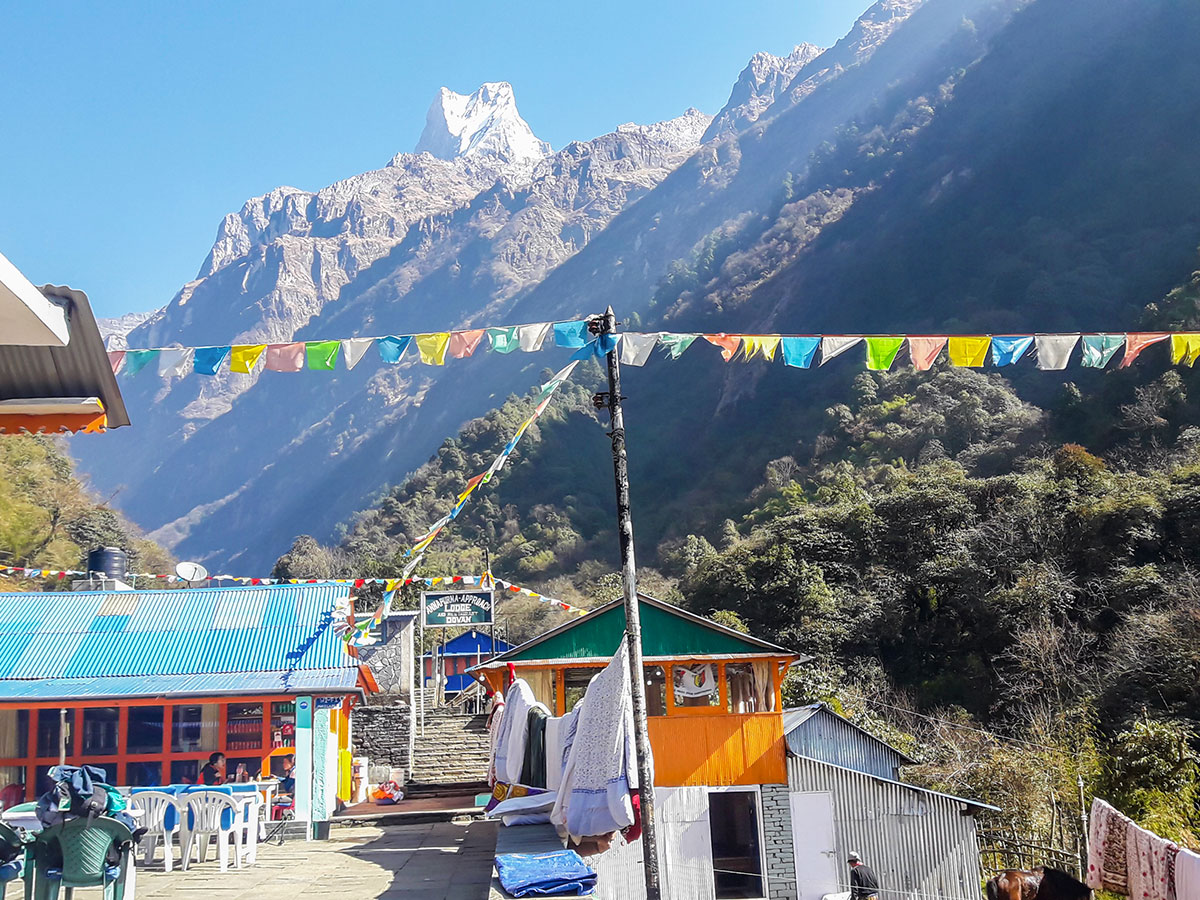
(829, 738)
(919, 843)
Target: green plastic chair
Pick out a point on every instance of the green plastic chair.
(83, 845)
(17, 847)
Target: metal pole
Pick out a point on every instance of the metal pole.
(487, 580)
(633, 622)
(62, 737)
(1083, 828)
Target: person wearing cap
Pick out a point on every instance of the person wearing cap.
(864, 883)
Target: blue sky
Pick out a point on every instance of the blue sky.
(132, 128)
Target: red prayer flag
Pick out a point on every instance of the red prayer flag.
(728, 343)
(1136, 343)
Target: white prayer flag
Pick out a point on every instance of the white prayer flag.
(175, 361)
(636, 348)
(530, 337)
(353, 349)
(1054, 350)
(836, 346)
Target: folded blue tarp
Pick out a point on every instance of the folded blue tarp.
(562, 873)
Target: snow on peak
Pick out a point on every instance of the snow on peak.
(485, 123)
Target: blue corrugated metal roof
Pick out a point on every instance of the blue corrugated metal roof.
(274, 632)
(305, 680)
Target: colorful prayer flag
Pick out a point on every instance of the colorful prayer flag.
(571, 334)
(728, 343)
(174, 361)
(391, 348)
(969, 351)
(676, 344)
(799, 351)
(463, 343)
(353, 349)
(208, 359)
(530, 337)
(1185, 348)
(1008, 349)
(503, 340)
(836, 345)
(881, 352)
(136, 360)
(322, 355)
(924, 351)
(636, 348)
(115, 358)
(432, 347)
(1054, 350)
(766, 344)
(284, 357)
(1098, 349)
(1136, 342)
(242, 357)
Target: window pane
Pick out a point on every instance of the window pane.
(736, 848)
(99, 731)
(575, 682)
(48, 733)
(696, 685)
(251, 765)
(14, 733)
(185, 771)
(12, 786)
(244, 726)
(144, 731)
(283, 724)
(195, 728)
(656, 691)
(144, 774)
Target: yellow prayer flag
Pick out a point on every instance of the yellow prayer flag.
(1185, 348)
(242, 357)
(433, 347)
(969, 351)
(391, 584)
(766, 344)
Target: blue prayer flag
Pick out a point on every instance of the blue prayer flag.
(391, 348)
(799, 351)
(207, 360)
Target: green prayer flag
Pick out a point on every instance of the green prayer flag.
(322, 355)
(136, 360)
(881, 352)
(503, 340)
(676, 343)
(1098, 349)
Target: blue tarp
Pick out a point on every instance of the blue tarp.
(563, 873)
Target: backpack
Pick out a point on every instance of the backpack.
(77, 791)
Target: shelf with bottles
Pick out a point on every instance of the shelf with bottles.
(244, 726)
(283, 724)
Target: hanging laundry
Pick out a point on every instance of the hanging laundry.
(1007, 350)
(208, 359)
(353, 349)
(175, 361)
(1054, 350)
(495, 717)
(676, 344)
(636, 348)
(1187, 875)
(322, 355)
(1185, 348)
(1136, 342)
(555, 733)
(571, 334)
(924, 351)
(243, 357)
(503, 340)
(136, 360)
(432, 347)
(530, 337)
(115, 358)
(284, 357)
(968, 351)
(1098, 349)
(1149, 858)
(881, 352)
(533, 769)
(593, 799)
(514, 728)
(728, 343)
(799, 351)
(1107, 858)
(463, 343)
(836, 346)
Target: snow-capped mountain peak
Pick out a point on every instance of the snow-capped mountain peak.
(485, 123)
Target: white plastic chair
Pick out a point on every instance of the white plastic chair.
(251, 822)
(159, 809)
(209, 814)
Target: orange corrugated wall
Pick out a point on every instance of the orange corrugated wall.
(718, 750)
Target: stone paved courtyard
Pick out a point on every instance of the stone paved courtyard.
(436, 861)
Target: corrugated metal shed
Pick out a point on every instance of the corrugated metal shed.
(819, 733)
(134, 640)
(213, 685)
(922, 844)
(80, 369)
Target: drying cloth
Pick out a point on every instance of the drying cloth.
(593, 798)
(562, 873)
(554, 736)
(510, 743)
(1107, 832)
(1187, 875)
(494, 722)
(533, 770)
(1148, 857)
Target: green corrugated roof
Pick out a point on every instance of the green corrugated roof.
(666, 631)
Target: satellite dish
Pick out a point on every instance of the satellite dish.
(191, 572)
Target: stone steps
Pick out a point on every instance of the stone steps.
(453, 748)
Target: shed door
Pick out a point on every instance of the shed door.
(812, 839)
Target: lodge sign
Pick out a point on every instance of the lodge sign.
(448, 608)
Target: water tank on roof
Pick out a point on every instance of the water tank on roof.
(109, 561)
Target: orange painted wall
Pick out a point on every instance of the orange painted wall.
(718, 750)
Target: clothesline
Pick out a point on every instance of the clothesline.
(1052, 351)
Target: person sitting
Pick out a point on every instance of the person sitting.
(287, 784)
(214, 770)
